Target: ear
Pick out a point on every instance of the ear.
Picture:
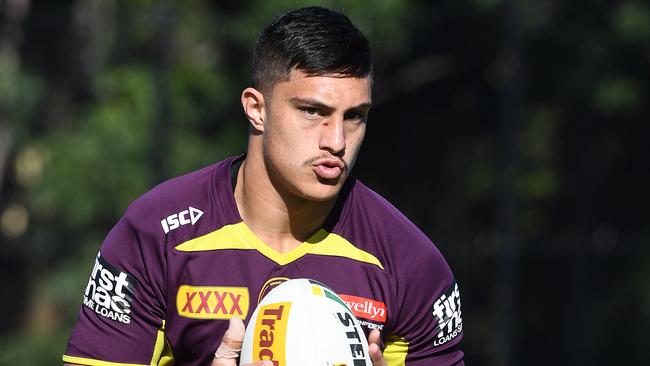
(254, 108)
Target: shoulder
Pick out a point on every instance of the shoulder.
(182, 199)
(372, 221)
(365, 203)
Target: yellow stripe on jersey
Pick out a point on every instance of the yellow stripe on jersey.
(239, 236)
(162, 352)
(92, 362)
(396, 350)
(338, 246)
(320, 243)
(228, 237)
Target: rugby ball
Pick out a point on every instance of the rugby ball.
(303, 322)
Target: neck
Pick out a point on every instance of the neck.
(281, 220)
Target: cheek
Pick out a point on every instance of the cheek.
(284, 142)
(355, 138)
(292, 134)
(353, 144)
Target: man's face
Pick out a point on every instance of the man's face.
(313, 130)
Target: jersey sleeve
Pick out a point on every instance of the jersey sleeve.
(121, 321)
(428, 325)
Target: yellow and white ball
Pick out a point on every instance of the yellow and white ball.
(302, 322)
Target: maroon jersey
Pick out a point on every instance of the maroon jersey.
(181, 262)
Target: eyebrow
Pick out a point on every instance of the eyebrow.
(318, 104)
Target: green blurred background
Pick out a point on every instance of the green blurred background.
(514, 133)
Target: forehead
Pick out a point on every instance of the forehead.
(332, 90)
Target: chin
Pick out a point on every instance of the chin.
(322, 192)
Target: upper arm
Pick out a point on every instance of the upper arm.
(427, 328)
(122, 313)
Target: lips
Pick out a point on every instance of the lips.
(328, 168)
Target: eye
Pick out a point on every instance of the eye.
(356, 116)
(310, 112)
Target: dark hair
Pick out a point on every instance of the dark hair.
(314, 40)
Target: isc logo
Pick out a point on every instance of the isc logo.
(189, 216)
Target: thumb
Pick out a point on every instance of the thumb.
(230, 346)
(374, 339)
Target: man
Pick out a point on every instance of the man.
(199, 251)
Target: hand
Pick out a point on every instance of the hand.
(373, 348)
(230, 347)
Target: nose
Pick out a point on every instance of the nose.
(333, 136)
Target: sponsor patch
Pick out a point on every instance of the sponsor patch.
(271, 333)
(446, 311)
(185, 217)
(110, 291)
(371, 325)
(364, 308)
(212, 302)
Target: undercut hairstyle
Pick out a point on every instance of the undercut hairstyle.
(314, 40)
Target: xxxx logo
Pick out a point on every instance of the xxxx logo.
(212, 302)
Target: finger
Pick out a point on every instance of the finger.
(224, 362)
(230, 346)
(374, 339)
(233, 338)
